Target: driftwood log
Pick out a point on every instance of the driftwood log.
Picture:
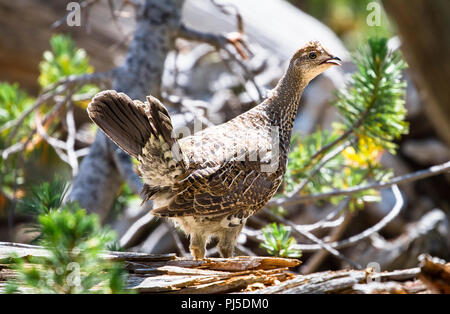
(167, 273)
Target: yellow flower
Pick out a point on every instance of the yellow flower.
(368, 152)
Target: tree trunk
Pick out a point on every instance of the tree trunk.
(424, 27)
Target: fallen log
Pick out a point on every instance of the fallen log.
(167, 273)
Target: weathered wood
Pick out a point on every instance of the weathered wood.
(235, 283)
(154, 273)
(336, 281)
(235, 264)
(204, 281)
(8, 249)
(136, 256)
(435, 273)
(166, 273)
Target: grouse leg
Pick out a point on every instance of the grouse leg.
(227, 240)
(198, 245)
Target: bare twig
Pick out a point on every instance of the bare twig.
(82, 152)
(418, 175)
(70, 142)
(366, 233)
(257, 235)
(71, 83)
(113, 13)
(313, 238)
(327, 222)
(82, 79)
(244, 250)
(138, 230)
(316, 260)
(321, 164)
(248, 73)
(219, 42)
(53, 141)
(223, 7)
(20, 146)
(16, 123)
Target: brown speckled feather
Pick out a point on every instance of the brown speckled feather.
(211, 182)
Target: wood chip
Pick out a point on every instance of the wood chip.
(435, 274)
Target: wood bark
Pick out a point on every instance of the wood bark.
(166, 273)
(424, 27)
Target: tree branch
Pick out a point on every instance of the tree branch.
(418, 175)
(322, 163)
(366, 233)
(313, 238)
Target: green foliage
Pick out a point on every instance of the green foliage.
(74, 241)
(376, 95)
(347, 18)
(278, 241)
(45, 198)
(63, 60)
(303, 152)
(115, 246)
(373, 113)
(13, 101)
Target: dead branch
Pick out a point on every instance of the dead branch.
(70, 142)
(418, 175)
(332, 247)
(316, 260)
(315, 239)
(320, 165)
(219, 42)
(366, 233)
(138, 230)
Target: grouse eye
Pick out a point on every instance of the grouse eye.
(312, 55)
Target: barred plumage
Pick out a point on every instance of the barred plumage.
(211, 182)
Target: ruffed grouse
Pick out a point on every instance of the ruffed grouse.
(210, 183)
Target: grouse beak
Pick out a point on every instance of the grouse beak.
(333, 61)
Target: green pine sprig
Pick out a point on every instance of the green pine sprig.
(373, 104)
(279, 242)
(74, 241)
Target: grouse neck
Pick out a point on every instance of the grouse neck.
(283, 103)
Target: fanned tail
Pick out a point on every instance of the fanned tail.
(145, 132)
(123, 120)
